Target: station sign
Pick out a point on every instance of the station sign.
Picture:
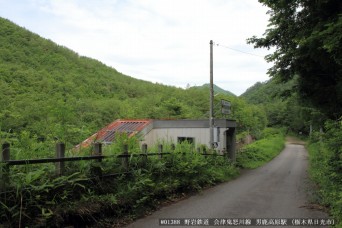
(225, 107)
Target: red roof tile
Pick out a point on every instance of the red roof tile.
(107, 134)
(130, 127)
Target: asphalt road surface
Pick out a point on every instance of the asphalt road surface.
(279, 189)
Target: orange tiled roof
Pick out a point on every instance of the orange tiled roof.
(130, 127)
(107, 134)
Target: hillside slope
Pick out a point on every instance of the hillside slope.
(50, 92)
(48, 89)
(217, 89)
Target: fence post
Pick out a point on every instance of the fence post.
(96, 169)
(4, 172)
(98, 150)
(60, 153)
(160, 150)
(144, 151)
(173, 147)
(205, 152)
(125, 159)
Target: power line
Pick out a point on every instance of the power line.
(220, 45)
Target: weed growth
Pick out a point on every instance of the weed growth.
(36, 197)
(258, 153)
(325, 152)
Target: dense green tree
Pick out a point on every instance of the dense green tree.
(307, 37)
(283, 106)
(53, 93)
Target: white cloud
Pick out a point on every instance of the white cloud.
(164, 41)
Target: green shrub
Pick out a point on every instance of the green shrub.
(326, 167)
(261, 151)
(270, 132)
(37, 197)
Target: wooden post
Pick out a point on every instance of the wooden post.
(160, 150)
(96, 169)
(4, 172)
(204, 150)
(98, 150)
(125, 159)
(173, 147)
(60, 153)
(5, 152)
(144, 151)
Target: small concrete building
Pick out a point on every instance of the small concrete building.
(151, 132)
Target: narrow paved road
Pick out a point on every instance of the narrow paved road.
(276, 190)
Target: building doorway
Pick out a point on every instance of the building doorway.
(230, 138)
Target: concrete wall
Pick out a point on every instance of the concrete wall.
(201, 135)
(169, 130)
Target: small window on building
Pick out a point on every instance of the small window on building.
(190, 140)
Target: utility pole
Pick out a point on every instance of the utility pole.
(211, 112)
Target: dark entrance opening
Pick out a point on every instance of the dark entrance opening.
(230, 139)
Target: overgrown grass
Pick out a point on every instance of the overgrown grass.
(326, 168)
(37, 198)
(258, 153)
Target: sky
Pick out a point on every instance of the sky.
(161, 41)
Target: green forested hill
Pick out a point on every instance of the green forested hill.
(265, 92)
(283, 105)
(217, 89)
(45, 87)
(49, 90)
